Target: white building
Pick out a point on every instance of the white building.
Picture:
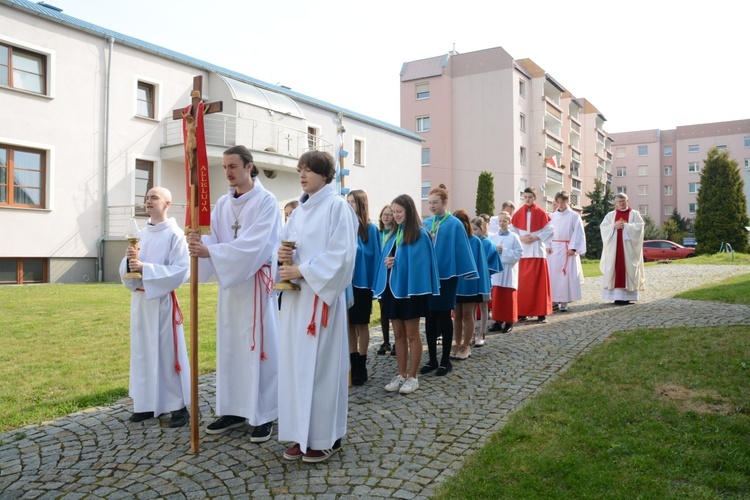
(86, 128)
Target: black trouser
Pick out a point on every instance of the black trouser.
(437, 324)
(385, 324)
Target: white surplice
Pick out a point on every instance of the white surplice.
(632, 242)
(565, 271)
(157, 343)
(313, 393)
(247, 321)
(511, 254)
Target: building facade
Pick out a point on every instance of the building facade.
(87, 129)
(486, 111)
(660, 169)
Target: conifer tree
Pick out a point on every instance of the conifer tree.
(485, 203)
(651, 230)
(593, 214)
(722, 208)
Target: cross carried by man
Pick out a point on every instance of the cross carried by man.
(198, 218)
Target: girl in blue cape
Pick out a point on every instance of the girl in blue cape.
(405, 281)
(387, 227)
(455, 260)
(494, 265)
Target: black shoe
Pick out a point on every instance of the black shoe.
(141, 416)
(179, 417)
(522, 318)
(393, 350)
(355, 368)
(225, 423)
(507, 328)
(542, 319)
(497, 326)
(428, 368)
(384, 348)
(262, 433)
(622, 302)
(443, 370)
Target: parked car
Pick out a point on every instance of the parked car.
(665, 250)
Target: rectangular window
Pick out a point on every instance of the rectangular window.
(521, 88)
(747, 141)
(144, 181)
(693, 148)
(620, 152)
(667, 170)
(642, 170)
(312, 138)
(23, 177)
(643, 209)
(522, 122)
(522, 155)
(20, 271)
(145, 97)
(694, 166)
(423, 124)
(423, 91)
(359, 152)
(747, 163)
(426, 189)
(622, 189)
(425, 156)
(622, 172)
(692, 208)
(574, 199)
(23, 69)
(668, 209)
(721, 147)
(693, 187)
(667, 150)
(668, 190)
(575, 184)
(642, 150)
(643, 190)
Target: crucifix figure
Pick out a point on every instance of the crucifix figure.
(191, 144)
(236, 226)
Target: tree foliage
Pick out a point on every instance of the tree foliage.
(485, 194)
(722, 208)
(671, 231)
(682, 223)
(593, 214)
(651, 230)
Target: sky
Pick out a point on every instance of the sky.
(654, 64)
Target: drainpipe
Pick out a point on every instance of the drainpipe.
(105, 180)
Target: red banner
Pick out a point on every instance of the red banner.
(194, 137)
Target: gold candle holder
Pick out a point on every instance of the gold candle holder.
(133, 243)
(286, 284)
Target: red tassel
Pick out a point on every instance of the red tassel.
(263, 356)
(177, 367)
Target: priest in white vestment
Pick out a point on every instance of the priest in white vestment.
(159, 367)
(313, 343)
(240, 252)
(563, 253)
(623, 274)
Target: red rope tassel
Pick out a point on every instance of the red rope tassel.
(176, 320)
(263, 282)
(323, 317)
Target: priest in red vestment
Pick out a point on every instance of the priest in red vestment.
(622, 253)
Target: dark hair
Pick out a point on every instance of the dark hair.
(481, 223)
(530, 190)
(363, 213)
(562, 195)
(412, 221)
(319, 162)
(380, 219)
(294, 204)
(463, 216)
(441, 191)
(246, 155)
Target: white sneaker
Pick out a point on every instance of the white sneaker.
(409, 386)
(395, 383)
(563, 307)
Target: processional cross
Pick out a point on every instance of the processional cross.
(192, 143)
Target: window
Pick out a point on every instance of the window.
(144, 181)
(22, 69)
(522, 122)
(622, 189)
(693, 166)
(667, 150)
(692, 208)
(667, 170)
(622, 172)
(747, 141)
(693, 148)
(668, 190)
(522, 155)
(20, 271)
(423, 91)
(642, 150)
(668, 209)
(312, 138)
(423, 124)
(643, 209)
(620, 152)
(426, 189)
(642, 170)
(575, 184)
(574, 199)
(22, 177)
(721, 147)
(145, 98)
(643, 190)
(521, 88)
(693, 187)
(359, 152)
(747, 163)
(425, 156)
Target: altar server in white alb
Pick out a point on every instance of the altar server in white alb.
(563, 254)
(313, 343)
(240, 252)
(159, 367)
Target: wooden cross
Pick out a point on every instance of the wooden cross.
(178, 114)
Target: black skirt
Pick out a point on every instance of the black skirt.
(468, 299)
(360, 312)
(417, 306)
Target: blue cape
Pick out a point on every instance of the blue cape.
(470, 287)
(454, 255)
(414, 269)
(367, 259)
(493, 257)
